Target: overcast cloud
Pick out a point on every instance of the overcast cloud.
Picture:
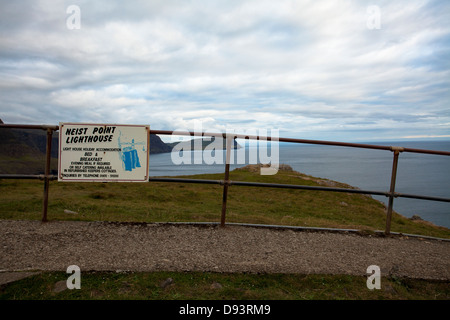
(312, 69)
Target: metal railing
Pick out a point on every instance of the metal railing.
(391, 194)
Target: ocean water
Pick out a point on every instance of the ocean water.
(368, 169)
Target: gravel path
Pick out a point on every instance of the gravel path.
(104, 246)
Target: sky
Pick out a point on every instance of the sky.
(326, 70)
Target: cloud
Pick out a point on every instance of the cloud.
(427, 136)
(310, 68)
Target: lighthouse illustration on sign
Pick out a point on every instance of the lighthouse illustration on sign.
(129, 154)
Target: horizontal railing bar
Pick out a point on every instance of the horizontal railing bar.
(268, 138)
(302, 187)
(155, 179)
(256, 137)
(28, 176)
(293, 186)
(250, 184)
(305, 141)
(21, 176)
(413, 150)
(415, 196)
(30, 126)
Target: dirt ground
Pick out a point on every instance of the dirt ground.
(30, 246)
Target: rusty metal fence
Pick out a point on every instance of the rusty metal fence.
(226, 182)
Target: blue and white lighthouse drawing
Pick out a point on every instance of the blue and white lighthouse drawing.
(129, 154)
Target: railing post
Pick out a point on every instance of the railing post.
(48, 157)
(397, 151)
(226, 180)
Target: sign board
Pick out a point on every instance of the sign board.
(103, 152)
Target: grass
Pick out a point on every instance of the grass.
(220, 286)
(177, 202)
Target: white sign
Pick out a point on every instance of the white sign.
(103, 152)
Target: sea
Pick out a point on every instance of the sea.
(367, 169)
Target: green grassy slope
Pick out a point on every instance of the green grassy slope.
(175, 202)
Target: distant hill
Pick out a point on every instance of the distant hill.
(23, 151)
(157, 145)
